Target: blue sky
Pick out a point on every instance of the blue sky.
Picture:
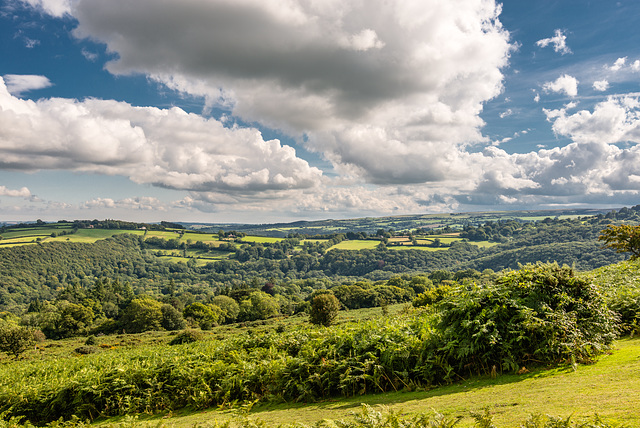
(274, 110)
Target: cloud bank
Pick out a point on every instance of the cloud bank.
(389, 92)
(163, 147)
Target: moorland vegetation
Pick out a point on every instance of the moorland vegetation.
(457, 321)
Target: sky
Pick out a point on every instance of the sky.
(259, 111)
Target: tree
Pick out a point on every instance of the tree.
(259, 306)
(142, 314)
(172, 318)
(15, 339)
(74, 318)
(206, 316)
(230, 308)
(324, 309)
(624, 239)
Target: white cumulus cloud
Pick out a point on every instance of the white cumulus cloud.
(559, 42)
(144, 203)
(167, 148)
(16, 193)
(612, 121)
(618, 64)
(390, 92)
(508, 112)
(564, 84)
(17, 84)
(57, 8)
(386, 90)
(601, 85)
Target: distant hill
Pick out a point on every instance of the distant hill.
(397, 223)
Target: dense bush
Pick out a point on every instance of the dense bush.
(186, 336)
(540, 314)
(323, 309)
(15, 339)
(626, 303)
(432, 295)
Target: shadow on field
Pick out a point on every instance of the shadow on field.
(474, 383)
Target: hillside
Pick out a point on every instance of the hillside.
(37, 261)
(295, 372)
(405, 222)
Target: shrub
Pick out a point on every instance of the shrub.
(539, 314)
(432, 295)
(85, 350)
(15, 339)
(324, 309)
(626, 303)
(186, 336)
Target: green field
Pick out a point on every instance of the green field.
(162, 234)
(16, 242)
(261, 239)
(203, 237)
(31, 233)
(201, 257)
(355, 244)
(415, 247)
(93, 235)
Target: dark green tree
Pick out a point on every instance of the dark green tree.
(172, 318)
(206, 316)
(142, 314)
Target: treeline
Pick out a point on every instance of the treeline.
(549, 230)
(95, 224)
(109, 306)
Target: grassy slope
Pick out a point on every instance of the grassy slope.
(607, 388)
